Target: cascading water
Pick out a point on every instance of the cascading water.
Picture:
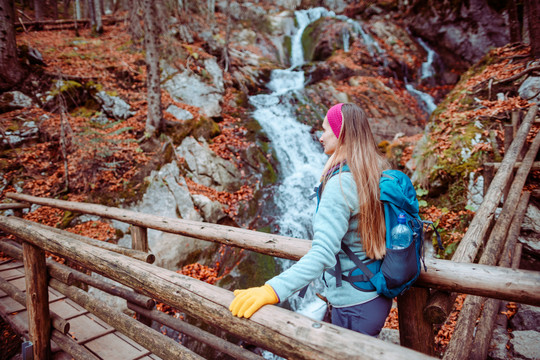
(300, 156)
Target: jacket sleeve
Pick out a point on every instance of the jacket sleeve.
(330, 224)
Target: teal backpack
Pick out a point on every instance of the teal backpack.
(400, 268)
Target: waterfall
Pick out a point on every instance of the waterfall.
(427, 69)
(425, 99)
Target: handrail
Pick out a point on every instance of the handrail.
(483, 280)
(284, 332)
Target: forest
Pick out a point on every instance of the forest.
(211, 111)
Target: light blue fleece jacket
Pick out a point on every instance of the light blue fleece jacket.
(334, 221)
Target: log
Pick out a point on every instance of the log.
(37, 300)
(482, 280)
(12, 206)
(461, 342)
(71, 347)
(285, 333)
(68, 275)
(134, 253)
(438, 307)
(149, 338)
(194, 332)
(469, 245)
(58, 322)
(517, 165)
(414, 331)
(484, 329)
(274, 245)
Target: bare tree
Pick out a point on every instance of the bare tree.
(11, 70)
(151, 36)
(532, 9)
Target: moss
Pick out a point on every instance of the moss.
(66, 219)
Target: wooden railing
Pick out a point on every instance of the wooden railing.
(283, 332)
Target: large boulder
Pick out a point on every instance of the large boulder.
(189, 88)
(526, 345)
(206, 168)
(526, 318)
(530, 89)
(14, 100)
(460, 30)
(114, 106)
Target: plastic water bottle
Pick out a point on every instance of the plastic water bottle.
(401, 234)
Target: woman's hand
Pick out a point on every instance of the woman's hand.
(246, 302)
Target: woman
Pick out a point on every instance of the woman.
(349, 210)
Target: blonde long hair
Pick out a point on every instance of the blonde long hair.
(356, 146)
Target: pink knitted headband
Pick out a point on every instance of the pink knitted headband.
(335, 118)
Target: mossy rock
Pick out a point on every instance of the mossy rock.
(203, 127)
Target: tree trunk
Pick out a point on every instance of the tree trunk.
(134, 25)
(38, 10)
(154, 117)
(11, 71)
(532, 9)
(97, 16)
(514, 21)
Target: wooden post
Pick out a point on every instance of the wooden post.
(139, 241)
(37, 300)
(139, 238)
(414, 331)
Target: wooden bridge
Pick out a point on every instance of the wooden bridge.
(63, 319)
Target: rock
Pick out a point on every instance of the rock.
(101, 119)
(499, 339)
(242, 11)
(189, 88)
(461, 30)
(14, 100)
(169, 174)
(531, 243)
(26, 131)
(215, 72)
(532, 219)
(178, 113)
(526, 344)
(212, 211)
(389, 335)
(527, 317)
(114, 106)
(530, 89)
(207, 168)
(476, 191)
(173, 251)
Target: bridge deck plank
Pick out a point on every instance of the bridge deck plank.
(85, 328)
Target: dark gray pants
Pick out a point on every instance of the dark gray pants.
(367, 318)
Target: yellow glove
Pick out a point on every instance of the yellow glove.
(246, 302)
